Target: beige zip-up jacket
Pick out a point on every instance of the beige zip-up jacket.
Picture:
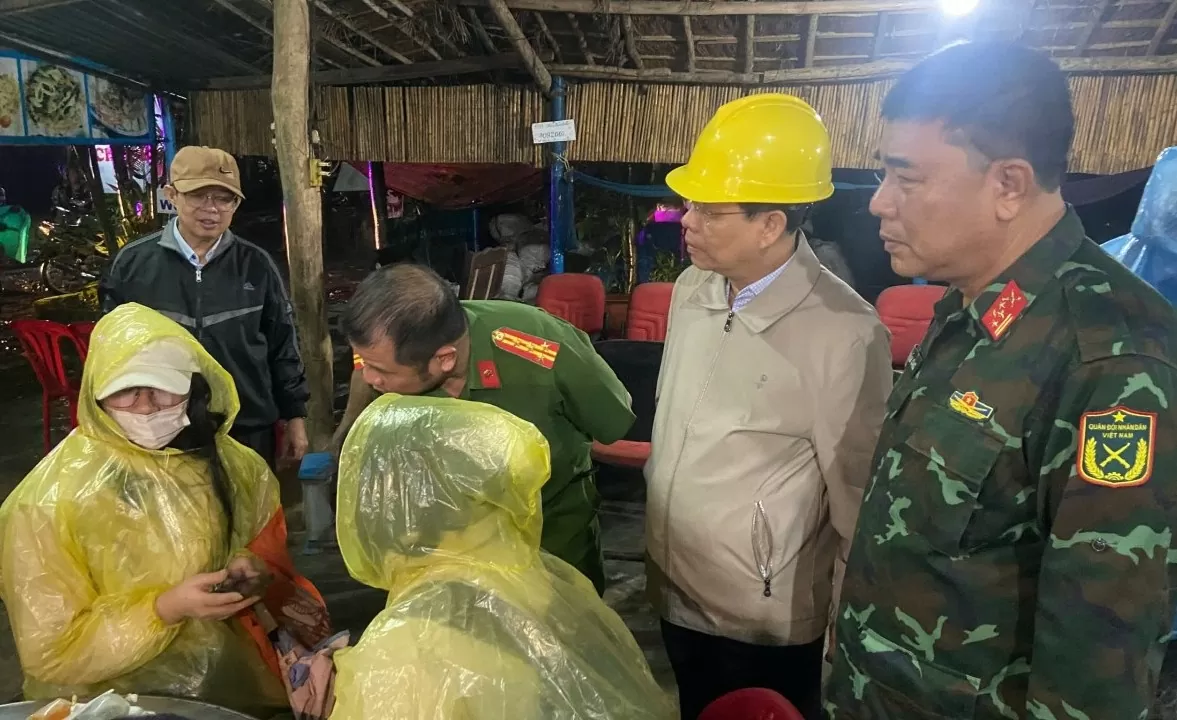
(765, 427)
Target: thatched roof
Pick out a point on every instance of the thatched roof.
(187, 43)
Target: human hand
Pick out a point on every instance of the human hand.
(295, 441)
(194, 599)
(247, 575)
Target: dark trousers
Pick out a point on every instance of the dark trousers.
(259, 439)
(708, 667)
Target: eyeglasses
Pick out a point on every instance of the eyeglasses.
(221, 201)
(707, 212)
(124, 399)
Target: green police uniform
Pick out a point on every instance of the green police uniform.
(1012, 552)
(541, 369)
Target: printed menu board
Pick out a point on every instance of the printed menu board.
(44, 103)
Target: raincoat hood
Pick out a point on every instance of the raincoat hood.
(117, 340)
(434, 480)
(439, 503)
(1150, 250)
(1156, 218)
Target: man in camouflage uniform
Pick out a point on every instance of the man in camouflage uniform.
(1011, 556)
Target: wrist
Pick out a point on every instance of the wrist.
(164, 610)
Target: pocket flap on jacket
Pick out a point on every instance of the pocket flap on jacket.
(963, 447)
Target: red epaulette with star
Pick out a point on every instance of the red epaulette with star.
(1004, 310)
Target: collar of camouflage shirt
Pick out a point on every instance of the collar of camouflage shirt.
(1027, 277)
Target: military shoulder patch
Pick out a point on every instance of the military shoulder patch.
(1004, 310)
(1116, 447)
(529, 347)
(969, 405)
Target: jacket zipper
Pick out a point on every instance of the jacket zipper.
(199, 302)
(763, 555)
(727, 326)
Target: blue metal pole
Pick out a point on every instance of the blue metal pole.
(557, 210)
(169, 135)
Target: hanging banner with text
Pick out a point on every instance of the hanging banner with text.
(46, 104)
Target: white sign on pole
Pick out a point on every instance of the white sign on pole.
(552, 132)
(163, 206)
(110, 183)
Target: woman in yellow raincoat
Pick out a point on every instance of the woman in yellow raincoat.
(439, 503)
(112, 547)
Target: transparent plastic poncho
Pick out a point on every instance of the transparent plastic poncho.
(1150, 249)
(439, 504)
(101, 527)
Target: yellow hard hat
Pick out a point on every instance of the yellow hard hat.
(769, 148)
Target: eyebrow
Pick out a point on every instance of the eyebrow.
(893, 161)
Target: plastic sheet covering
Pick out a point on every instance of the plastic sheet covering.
(1150, 250)
(439, 503)
(101, 527)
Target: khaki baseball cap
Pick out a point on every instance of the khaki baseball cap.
(199, 167)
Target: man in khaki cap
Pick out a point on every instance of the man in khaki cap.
(227, 292)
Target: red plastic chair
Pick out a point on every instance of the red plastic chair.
(578, 298)
(649, 309)
(751, 704)
(42, 341)
(82, 332)
(907, 310)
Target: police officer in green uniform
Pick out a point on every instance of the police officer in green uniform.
(411, 335)
(1014, 552)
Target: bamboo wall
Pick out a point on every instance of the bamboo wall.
(1123, 121)
(463, 124)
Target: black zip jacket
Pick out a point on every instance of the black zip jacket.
(236, 306)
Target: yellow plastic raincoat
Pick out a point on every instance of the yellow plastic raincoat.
(101, 527)
(439, 503)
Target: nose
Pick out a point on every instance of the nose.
(691, 219)
(881, 203)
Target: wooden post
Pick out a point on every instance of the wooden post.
(303, 209)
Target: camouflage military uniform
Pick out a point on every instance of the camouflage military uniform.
(1011, 556)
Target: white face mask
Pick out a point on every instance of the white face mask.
(155, 430)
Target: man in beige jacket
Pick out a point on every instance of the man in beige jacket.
(770, 399)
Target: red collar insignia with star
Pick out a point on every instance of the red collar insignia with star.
(1004, 310)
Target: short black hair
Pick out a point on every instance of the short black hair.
(1004, 99)
(411, 305)
(795, 215)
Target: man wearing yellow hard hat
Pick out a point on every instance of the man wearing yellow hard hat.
(770, 398)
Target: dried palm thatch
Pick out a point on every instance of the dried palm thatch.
(182, 43)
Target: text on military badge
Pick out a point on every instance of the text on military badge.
(1116, 447)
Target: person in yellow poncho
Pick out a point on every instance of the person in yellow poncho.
(439, 503)
(112, 547)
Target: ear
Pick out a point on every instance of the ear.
(170, 193)
(773, 228)
(446, 358)
(1014, 184)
